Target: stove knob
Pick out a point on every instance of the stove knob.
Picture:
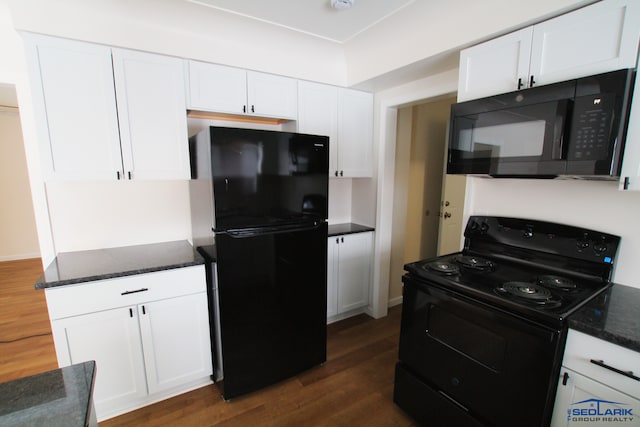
(527, 233)
(484, 227)
(601, 247)
(583, 243)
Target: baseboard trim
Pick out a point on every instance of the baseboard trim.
(395, 301)
(18, 257)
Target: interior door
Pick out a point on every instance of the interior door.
(451, 214)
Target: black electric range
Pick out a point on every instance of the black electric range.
(491, 320)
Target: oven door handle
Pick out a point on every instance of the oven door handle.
(452, 400)
(616, 370)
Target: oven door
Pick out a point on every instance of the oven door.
(498, 368)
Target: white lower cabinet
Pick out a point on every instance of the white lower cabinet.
(348, 273)
(112, 339)
(148, 333)
(590, 392)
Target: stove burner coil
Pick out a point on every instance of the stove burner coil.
(475, 263)
(441, 267)
(526, 290)
(557, 282)
(529, 292)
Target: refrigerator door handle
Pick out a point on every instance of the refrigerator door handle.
(240, 233)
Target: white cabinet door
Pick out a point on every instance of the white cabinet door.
(354, 265)
(318, 115)
(230, 90)
(176, 341)
(332, 276)
(152, 115)
(217, 88)
(272, 96)
(595, 39)
(355, 133)
(579, 396)
(497, 66)
(112, 339)
(78, 126)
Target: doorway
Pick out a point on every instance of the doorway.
(420, 220)
(17, 225)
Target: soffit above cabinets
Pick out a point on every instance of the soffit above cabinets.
(313, 17)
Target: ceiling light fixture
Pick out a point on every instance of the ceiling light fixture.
(342, 4)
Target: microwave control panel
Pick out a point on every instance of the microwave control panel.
(591, 127)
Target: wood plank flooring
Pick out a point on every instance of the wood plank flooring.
(353, 388)
(26, 343)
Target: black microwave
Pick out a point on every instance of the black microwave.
(574, 128)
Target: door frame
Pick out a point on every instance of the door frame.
(387, 103)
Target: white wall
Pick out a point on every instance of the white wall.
(93, 215)
(595, 205)
(187, 30)
(18, 237)
(10, 48)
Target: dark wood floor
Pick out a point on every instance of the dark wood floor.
(353, 388)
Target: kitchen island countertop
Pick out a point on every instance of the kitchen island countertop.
(86, 266)
(612, 316)
(61, 397)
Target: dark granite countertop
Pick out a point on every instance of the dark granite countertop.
(62, 397)
(86, 266)
(613, 316)
(348, 228)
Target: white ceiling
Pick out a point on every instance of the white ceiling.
(313, 17)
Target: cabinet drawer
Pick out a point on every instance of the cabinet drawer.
(582, 348)
(88, 297)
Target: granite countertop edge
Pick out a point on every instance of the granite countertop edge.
(348, 228)
(140, 259)
(42, 284)
(612, 316)
(58, 397)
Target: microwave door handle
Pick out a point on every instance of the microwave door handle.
(560, 130)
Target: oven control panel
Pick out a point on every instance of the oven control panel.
(543, 237)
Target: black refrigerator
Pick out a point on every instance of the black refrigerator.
(259, 212)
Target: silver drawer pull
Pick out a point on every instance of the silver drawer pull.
(616, 370)
(134, 292)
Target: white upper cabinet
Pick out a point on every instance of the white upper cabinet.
(152, 115)
(592, 40)
(72, 85)
(222, 89)
(217, 88)
(595, 39)
(346, 117)
(355, 133)
(272, 96)
(94, 126)
(493, 67)
(318, 115)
